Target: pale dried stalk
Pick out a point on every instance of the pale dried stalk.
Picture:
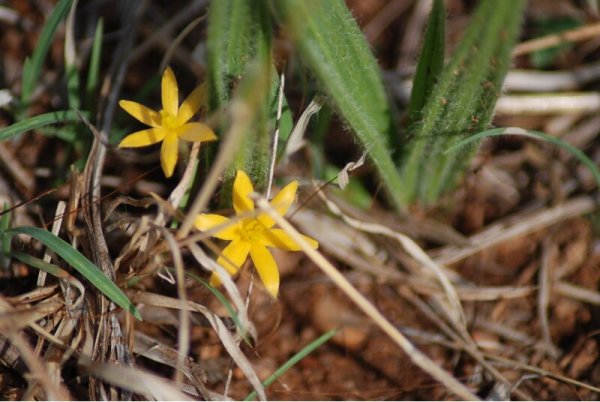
(515, 226)
(575, 35)
(58, 218)
(454, 310)
(184, 315)
(417, 357)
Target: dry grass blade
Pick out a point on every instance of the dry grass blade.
(520, 224)
(549, 256)
(579, 34)
(576, 292)
(210, 264)
(138, 381)
(453, 307)
(184, 316)
(152, 349)
(217, 324)
(515, 364)
(417, 357)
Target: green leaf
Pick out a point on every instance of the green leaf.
(431, 61)
(33, 67)
(462, 103)
(239, 31)
(94, 68)
(308, 349)
(4, 239)
(40, 264)
(81, 264)
(576, 152)
(40, 121)
(336, 52)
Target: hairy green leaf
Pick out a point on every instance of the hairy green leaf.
(462, 102)
(431, 61)
(336, 52)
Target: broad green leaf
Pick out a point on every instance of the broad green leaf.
(336, 52)
(81, 264)
(462, 102)
(33, 66)
(576, 152)
(239, 31)
(308, 349)
(431, 61)
(40, 121)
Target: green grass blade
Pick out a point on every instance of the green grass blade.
(38, 121)
(40, 264)
(4, 238)
(462, 102)
(308, 349)
(336, 52)
(33, 67)
(576, 152)
(431, 61)
(81, 264)
(71, 71)
(94, 68)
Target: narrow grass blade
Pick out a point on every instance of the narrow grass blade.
(462, 102)
(576, 152)
(336, 52)
(308, 349)
(38, 121)
(431, 61)
(81, 264)
(40, 264)
(33, 67)
(4, 238)
(94, 68)
(71, 71)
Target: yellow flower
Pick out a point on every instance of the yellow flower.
(252, 235)
(169, 124)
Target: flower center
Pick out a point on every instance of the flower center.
(168, 120)
(251, 229)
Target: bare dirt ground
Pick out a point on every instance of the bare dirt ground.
(518, 236)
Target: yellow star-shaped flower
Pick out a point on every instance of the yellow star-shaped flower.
(170, 124)
(252, 235)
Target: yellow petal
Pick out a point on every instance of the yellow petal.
(168, 153)
(280, 239)
(143, 138)
(242, 187)
(205, 222)
(196, 132)
(191, 104)
(266, 267)
(142, 113)
(170, 92)
(232, 258)
(281, 202)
